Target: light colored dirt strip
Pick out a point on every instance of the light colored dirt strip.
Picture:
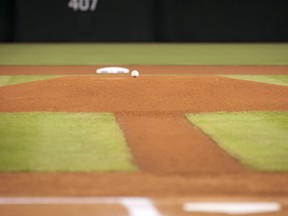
(146, 69)
(170, 144)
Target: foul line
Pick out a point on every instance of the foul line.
(232, 207)
(136, 206)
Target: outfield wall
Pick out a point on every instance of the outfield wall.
(223, 20)
(6, 20)
(84, 20)
(144, 20)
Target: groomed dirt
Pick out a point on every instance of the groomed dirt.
(175, 158)
(146, 69)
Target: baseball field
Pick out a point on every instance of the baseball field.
(202, 131)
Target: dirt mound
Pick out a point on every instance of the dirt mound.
(145, 94)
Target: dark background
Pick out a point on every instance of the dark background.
(145, 21)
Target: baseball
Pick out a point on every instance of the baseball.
(135, 73)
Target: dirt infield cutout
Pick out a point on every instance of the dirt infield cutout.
(148, 108)
(151, 108)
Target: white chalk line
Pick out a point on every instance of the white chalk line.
(136, 206)
(141, 206)
(232, 208)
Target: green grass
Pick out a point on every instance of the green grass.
(17, 79)
(270, 79)
(151, 53)
(49, 142)
(258, 140)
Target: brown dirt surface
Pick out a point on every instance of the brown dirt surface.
(152, 94)
(145, 69)
(169, 144)
(71, 210)
(253, 184)
(175, 158)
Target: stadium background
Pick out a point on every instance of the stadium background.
(145, 21)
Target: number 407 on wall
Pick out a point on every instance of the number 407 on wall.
(83, 5)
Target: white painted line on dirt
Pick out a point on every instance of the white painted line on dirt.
(136, 206)
(140, 207)
(56, 200)
(232, 207)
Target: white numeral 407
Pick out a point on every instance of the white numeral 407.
(83, 5)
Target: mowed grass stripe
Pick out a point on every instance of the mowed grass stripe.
(259, 140)
(144, 54)
(270, 79)
(17, 79)
(50, 142)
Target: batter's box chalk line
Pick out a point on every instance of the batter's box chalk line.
(232, 208)
(136, 206)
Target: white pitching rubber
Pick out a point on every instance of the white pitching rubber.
(112, 70)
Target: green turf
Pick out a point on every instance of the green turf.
(258, 140)
(17, 79)
(270, 79)
(62, 142)
(151, 53)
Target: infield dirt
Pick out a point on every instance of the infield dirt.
(174, 157)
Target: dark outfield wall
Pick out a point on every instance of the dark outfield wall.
(84, 20)
(6, 20)
(223, 20)
(144, 20)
